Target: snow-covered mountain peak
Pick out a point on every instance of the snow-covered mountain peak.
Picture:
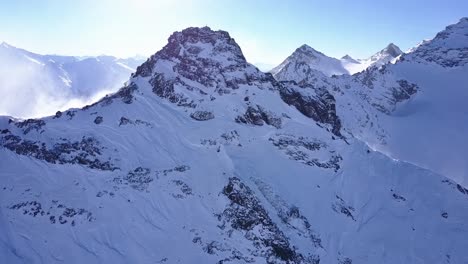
(449, 48)
(386, 55)
(204, 42)
(306, 61)
(196, 52)
(350, 64)
(392, 50)
(204, 72)
(306, 50)
(348, 58)
(5, 45)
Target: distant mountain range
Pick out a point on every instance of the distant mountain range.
(33, 85)
(306, 58)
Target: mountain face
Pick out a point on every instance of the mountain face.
(412, 109)
(34, 85)
(202, 158)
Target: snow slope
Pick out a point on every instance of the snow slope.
(202, 158)
(33, 85)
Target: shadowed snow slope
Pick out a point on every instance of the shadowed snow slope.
(202, 158)
(33, 85)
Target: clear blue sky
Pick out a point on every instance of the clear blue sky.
(267, 31)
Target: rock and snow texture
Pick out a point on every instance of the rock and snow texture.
(202, 158)
(33, 85)
(414, 109)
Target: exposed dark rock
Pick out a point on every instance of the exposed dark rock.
(454, 185)
(345, 261)
(462, 190)
(98, 120)
(70, 114)
(139, 179)
(340, 206)
(321, 107)
(290, 215)
(31, 124)
(64, 213)
(125, 121)
(84, 152)
(259, 116)
(399, 197)
(245, 213)
(302, 149)
(404, 91)
(164, 88)
(125, 94)
(184, 188)
(202, 115)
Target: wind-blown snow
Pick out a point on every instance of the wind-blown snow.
(33, 85)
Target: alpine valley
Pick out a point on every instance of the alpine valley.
(203, 158)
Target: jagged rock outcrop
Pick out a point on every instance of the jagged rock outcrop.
(317, 104)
